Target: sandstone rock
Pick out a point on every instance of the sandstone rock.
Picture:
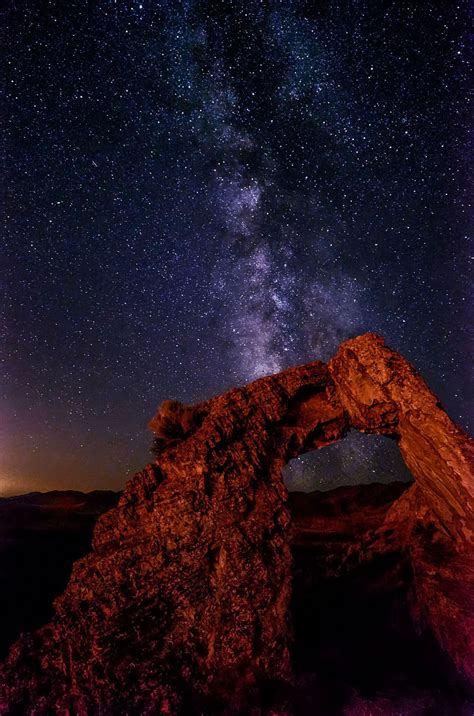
(183, 604)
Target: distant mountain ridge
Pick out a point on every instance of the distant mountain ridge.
(41, 536)
(57, 498)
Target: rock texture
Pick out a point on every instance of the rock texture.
(183, 605)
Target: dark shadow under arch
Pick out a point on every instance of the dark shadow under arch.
(354, 635)
(353, 629)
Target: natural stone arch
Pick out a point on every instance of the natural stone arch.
(183, 601)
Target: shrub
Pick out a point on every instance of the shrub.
(173, 421)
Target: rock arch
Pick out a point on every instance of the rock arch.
(183, 600)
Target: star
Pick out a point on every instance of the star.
(199, 195)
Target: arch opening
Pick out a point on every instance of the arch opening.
(357, 459)
(353, 629)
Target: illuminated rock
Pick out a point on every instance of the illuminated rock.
(183, 603)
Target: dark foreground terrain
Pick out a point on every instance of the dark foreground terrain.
(41, 535)
(355, 649)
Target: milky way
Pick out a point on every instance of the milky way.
(199, 194)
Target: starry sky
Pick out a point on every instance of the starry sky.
(197, 194)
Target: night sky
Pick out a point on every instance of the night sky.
(201, 193)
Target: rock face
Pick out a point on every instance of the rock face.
(183, 605)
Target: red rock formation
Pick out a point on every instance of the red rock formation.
(183, 604)
(382, 393)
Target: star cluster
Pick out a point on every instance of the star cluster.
(201, 193)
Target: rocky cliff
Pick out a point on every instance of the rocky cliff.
(183, 605)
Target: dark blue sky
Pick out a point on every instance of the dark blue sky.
(198, 194)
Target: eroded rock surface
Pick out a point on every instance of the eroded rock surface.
(183, 604)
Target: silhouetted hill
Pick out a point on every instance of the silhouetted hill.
(41, 535)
